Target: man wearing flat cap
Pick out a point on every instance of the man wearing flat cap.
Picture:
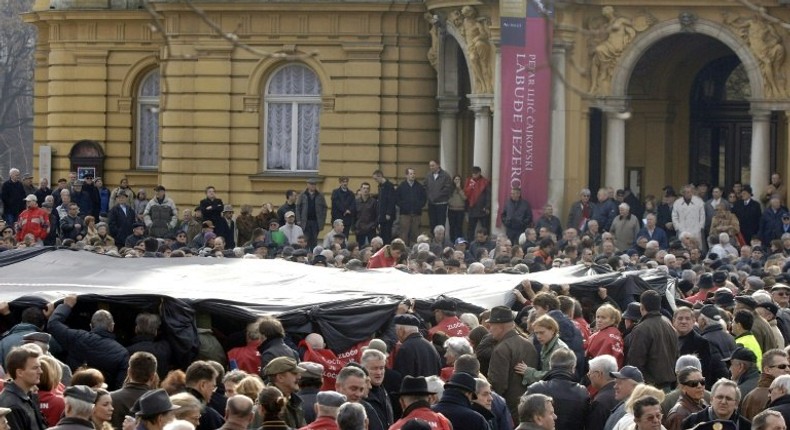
(511, 349)
(326, 405)
(456, 403)
(79, 408)
(284, 373)
(416, 356)
(413, 398)
(447, 322)
(722, 343)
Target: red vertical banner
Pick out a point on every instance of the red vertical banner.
(525, 79)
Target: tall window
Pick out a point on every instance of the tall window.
(148, 121)
(292, 109)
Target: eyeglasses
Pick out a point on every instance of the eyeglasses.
(695, 383)
(782, 366)
(723, 398)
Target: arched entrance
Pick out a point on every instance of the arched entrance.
(650, 108)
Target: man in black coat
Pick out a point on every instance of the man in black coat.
(571, 400)
(386, 206)
(201, 381)
(749, 213)
(95, 348)
(456, 403)
(211, 208)
(146, 330)
(344, 205)
(691, 342)
(273, 341)
(416, 356)
(24, 369)
(725, 398)
(780, 397)
(121, 219)
(13, 197)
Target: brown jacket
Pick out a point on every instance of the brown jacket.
(683, 408)
(511, 350)
(757, 400)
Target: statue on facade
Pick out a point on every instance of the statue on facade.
(768, 49)
(433, 52)
(477, 36)
(617, 32)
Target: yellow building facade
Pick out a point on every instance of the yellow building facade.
(191, 94)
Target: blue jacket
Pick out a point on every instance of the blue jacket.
(659, 235)
(771, 225)
(13, 337)
(410, 198)
(604, 213)
(96, 348)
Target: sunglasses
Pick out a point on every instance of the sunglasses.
(694, 384)
(781, 366)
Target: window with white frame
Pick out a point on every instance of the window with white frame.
(148, 121)
(292, 106)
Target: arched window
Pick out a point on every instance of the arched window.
(147, 134)
(292, 108)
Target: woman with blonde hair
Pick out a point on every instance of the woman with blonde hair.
(250, 386)
(607, 338)
(190, 408)
(547, 332)
(640, 391)
(50, 396)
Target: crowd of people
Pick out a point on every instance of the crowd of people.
(711, 354)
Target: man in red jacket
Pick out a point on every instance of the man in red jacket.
(414, 401)
(32, 220)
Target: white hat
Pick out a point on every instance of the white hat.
(31, 198)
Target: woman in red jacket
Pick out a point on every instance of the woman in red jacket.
(607, 339)
(387, 256)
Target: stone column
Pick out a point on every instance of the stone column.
(760, 157)
(481, 105)
(496, 150)
(614, 175)
(557, 149)
(448, 113)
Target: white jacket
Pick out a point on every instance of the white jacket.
(689, 217)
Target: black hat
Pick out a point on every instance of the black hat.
(747, 188)
(685, 286)
(137, 224)
(81, 392)
(746, 300)
(724, 297)
(719, 277)
(411, 385)
(711, 311)
(716, 425)
(629, 372)
(705, 281)
(406, 319)
(417, 424)
(463, 381)
(444, 305)
(770, 306)
(500, 314)
(758, 248)
(743, 354)
(633, 312)
(681, 302)
(318, 259)
(153, 403)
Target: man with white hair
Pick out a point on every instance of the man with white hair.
(79, 408)
(375, 362)
(688, 214)
(724, 248)
(601, 368)
(780, 396)
(624, 228)
(476, 268)
(338, 226)
(247, 357)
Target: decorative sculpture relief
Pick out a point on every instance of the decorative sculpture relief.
(768, 48)
(618, 32)
(687, 22)
(479, 49)
(433, 53)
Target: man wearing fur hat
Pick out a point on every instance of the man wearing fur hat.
(447, 322)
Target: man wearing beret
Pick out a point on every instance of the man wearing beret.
(511, 349)
(416, 356)
(79, 408)
(447, 322)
